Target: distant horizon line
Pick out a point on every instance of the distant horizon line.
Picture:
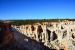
(39, 19)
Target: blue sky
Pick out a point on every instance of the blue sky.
(36, 9)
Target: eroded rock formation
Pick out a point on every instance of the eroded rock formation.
(53, 34)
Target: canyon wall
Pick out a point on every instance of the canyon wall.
(53, 34)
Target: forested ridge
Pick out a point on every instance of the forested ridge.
(32, 21)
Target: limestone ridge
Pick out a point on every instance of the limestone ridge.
(53, 34)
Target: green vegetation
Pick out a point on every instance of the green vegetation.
(21, 22)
